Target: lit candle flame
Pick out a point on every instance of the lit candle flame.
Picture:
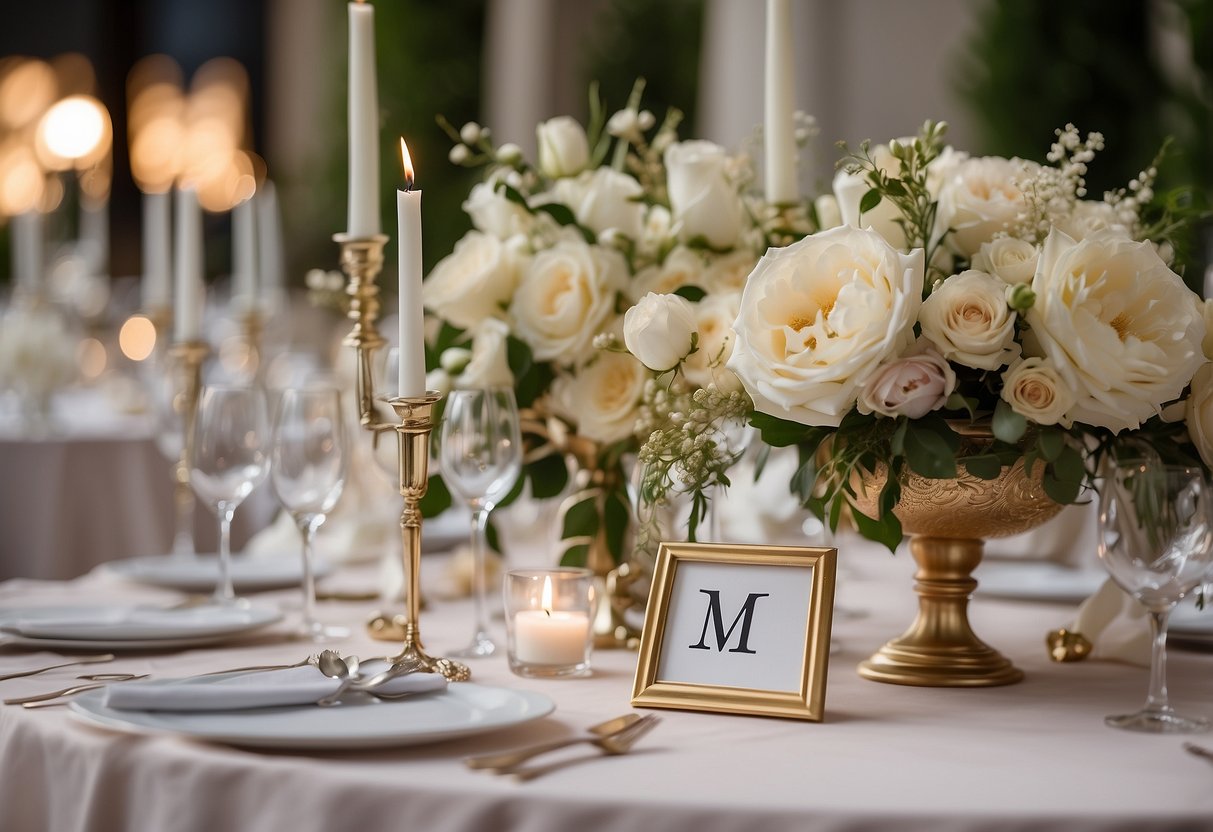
(408, 165)
(546, 597)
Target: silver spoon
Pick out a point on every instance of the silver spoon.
(335, 667)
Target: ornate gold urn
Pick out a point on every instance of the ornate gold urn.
(949, 521)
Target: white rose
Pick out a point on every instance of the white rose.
(714, 316)
(911, 386)
(602, 398)
(1198, 413)
(566, 293)
(473, 282)
(1013, 260)
(969, 322)
(1090, 218)
(564, 149)
(682, 267)
(979, 199)
(656, 235)
(729, 272)
(604, 199)
(493, 214)
(818, 317)
(703, 200)
(1121, 327)
(659, 331)
(1036, 391)
(489, 364)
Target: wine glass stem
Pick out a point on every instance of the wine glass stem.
(307, 526)
(1157, 699)
(183, 535)
(225, 593)
(480, 522)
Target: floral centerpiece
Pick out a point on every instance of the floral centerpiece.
(617, 227)
(958, 290)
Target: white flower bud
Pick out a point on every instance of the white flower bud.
(454, 359)
(459, 154)
(470, 133)
(509, 153)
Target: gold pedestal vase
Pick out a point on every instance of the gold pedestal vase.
(949, 521)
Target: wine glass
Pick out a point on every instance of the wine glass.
(166, 390)
(227, 461)
(1155, 531)
(309, 458)
(480, 457)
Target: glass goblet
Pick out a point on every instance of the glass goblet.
(227, 461)
(1155, 531)
(480, 457)
(309, 458)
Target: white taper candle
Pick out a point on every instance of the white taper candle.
(187, 267)
(157, 267)
(779, 134)
(363, 216)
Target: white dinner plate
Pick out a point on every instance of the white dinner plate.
(200, 573)
(127, 627)
(1037, 581)
(463, 709)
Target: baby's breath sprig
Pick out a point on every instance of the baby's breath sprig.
(1052, 191)
(688, 449)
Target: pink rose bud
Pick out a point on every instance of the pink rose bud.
(912, 386)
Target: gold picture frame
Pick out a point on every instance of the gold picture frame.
(779, 661)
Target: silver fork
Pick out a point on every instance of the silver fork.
(28, 701)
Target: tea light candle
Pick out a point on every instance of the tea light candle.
(547, 636)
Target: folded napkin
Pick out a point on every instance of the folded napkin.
(1116, 626)
(267, 689)
(125, 622)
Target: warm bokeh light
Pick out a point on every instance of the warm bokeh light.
(408, 165)
(92, 358)
(137, 338)
(27, 89)
(22, 183)
(74, 74)
(74, 131)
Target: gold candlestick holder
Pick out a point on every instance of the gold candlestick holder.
(361, 260)
(187, 358)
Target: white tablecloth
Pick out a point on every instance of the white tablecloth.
(1034, 755)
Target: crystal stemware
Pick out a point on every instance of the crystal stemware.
(480, 457)
(309, 458)
(1155, 532)
(167, 393)
(227, 461)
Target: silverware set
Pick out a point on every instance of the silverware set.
(613, 737)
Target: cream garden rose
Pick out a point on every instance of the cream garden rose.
(475, 281)
(660, 331)
(728, 273)
(1198, 412)
(604, 199)
(493, 214)
(564, 149)
(969, 322)
(601, 398)
(1036, 391)
(979, 199)
(705, 204)
(1122, 329)
(565, 295)
(488, 364)
(1008, 258)
(714, 316)
(912, 385)
(819, 317)
(682, 267)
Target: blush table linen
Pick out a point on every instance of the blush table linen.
(1030, 756)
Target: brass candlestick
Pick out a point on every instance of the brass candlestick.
(413, 444)
(361, 260)
(187, 358)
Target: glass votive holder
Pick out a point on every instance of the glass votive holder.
(548, 617)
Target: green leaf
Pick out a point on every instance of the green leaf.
(1050, 443)
(575, 555)
(886, 530)
(928, 452)
(549, 475)
(760, 460)
(558, 211)
(616, 516)
(437, 497)
(805, 478)
(513, 194)
(1060, 491)
(890, 495)
(581, 520)
(870, 200)
(514, 493)
(692, 293)
(956, 401)
(531, 379)
(1068, 466)
(1008, 425)
(519, 356)
(491, 537)
(897, 442)
(779, 433)
(985, 466)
